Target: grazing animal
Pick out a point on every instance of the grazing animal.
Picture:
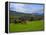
(15, 21)
(21, 20)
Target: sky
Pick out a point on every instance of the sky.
(26, 8)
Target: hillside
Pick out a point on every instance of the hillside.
(19, 14)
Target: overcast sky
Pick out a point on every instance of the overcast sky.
(26, 8)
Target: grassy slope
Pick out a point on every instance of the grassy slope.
(30, 26)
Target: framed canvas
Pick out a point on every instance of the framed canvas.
(24, 17)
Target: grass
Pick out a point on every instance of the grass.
(30, 26)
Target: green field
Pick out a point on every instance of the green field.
(30, 26)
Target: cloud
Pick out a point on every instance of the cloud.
(19, 7)
(25, 8)
(12, 6)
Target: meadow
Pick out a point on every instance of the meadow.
(29, 26)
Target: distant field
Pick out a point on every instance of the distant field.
(30, 26)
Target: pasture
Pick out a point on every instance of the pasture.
(29, 26)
